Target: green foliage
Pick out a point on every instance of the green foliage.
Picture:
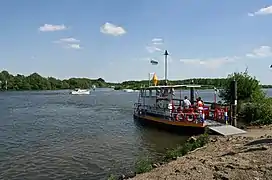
(208, 82)
(112, 177)
(267, 86)
(247, 87)
(258, 112)
(37, 82)
(143, 165)
(254, 107)
(187, 147)
(117, 88)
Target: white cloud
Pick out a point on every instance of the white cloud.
(157, 41)
(70, 40)
(112, 29)
(51, 28)
(154, 45)
(70, 43)
(67, 40)
(73, 46)
(263, 11)
(261, 52)
(152, 49)
(211, 63)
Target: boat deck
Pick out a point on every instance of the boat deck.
(223, 129)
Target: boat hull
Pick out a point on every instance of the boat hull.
(171, 126)
(80, 93)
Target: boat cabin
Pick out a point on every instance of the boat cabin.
(162, 100)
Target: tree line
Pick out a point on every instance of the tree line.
(36, 82)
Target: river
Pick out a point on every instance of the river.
(54, 135)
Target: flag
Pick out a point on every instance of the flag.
(154, 62)
(155, 79)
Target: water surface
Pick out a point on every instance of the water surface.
(54, 135)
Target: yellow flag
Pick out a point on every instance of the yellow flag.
(155, 79)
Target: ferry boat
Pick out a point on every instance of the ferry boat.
(163, 106)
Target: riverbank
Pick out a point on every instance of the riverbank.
(242, 157)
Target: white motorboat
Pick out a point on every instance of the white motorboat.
(80, 91)
(128, 90)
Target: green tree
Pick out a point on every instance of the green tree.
(247, 87)
(253, 105)
(36, 82)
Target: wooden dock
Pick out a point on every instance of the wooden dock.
(223, 129)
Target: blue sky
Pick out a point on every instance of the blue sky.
(115, 39)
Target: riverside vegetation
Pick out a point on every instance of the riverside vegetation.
(37, 82)
(254, 108)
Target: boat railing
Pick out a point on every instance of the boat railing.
(211, 111)
(216, 113)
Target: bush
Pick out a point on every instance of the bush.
(259, 112)
(187, 147)
(143, 165)
(117, 88)
(253, 105)
(112, 177)
(247, 86)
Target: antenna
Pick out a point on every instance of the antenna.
(165, 66)
(246, 71)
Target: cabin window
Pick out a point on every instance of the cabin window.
(148, 93)
(154, 93)
(142, 93)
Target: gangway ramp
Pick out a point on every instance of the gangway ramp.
(226, 130)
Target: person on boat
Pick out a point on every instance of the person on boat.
(199, 103)
(186, 103)
(172, 92)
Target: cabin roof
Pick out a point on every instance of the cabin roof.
(173, 86)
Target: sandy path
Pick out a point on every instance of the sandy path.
(223, 158)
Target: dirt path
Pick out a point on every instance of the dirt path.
(247, 157)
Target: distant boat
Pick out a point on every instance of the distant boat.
(128, 90)
(80, 91)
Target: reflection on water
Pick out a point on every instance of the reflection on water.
(54, 135)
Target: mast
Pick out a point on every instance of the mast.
(165, 66)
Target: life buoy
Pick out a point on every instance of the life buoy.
(191, 117)
(160, 104)
(219, 114)
(222, 114)
(180, 117)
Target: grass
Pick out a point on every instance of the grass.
(187, 147)
(143, 165)
(112, 177)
